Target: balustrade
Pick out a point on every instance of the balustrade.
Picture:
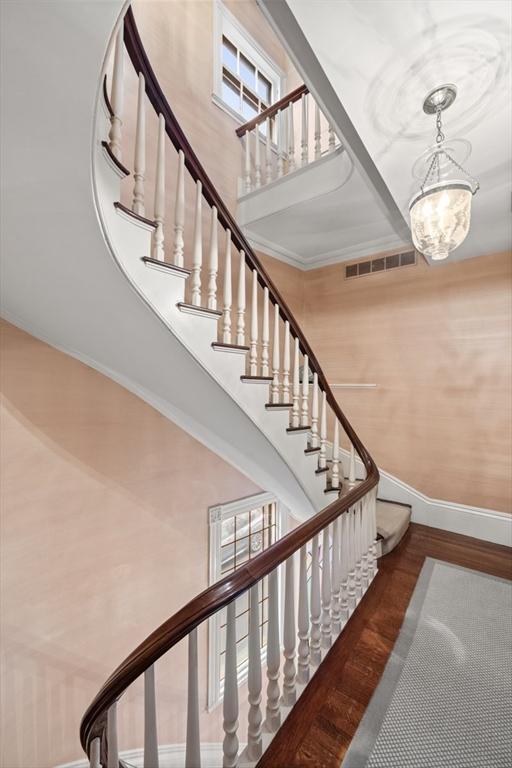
(339, 542)
(291, 130)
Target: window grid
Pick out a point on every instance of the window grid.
(244, 87)
(254, 541)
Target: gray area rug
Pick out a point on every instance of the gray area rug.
(445, 698)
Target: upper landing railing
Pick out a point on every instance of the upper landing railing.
(290, 134)
(338, 541)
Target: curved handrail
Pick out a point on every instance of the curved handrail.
(220, 594)
(285, 101)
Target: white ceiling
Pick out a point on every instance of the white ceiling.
(321, 214)
(381, 57)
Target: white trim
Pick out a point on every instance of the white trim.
(307, 263)
(477, 522)
(216, 514)
(225, 23)
(170, 756)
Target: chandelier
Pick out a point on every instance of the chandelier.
(441, 211)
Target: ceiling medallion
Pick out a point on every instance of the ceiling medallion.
(441, 211)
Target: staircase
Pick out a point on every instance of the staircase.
(205, 330)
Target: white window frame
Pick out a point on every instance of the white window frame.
(215, 517)
(225, 24)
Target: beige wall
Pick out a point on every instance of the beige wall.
(437, 341)
(104, 535)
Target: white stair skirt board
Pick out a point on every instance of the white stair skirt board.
(486, 524)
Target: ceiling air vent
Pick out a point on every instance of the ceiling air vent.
(380, 264)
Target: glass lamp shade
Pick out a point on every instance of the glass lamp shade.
(440, 218)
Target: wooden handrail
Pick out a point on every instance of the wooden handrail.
(290, 98)
(223, 592)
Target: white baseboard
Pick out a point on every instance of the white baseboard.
(478, 522)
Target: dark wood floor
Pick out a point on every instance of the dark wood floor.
(319, 729)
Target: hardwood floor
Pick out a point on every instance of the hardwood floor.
(319, 729)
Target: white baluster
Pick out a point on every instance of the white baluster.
(230, 703)
(253, 354)
(303, 620)
(373, 534)
(179, 212)
(335, 471)
(139, 163)
(265, 333)
(351, 582)
(345, 555)
(240, 325)
(364, 544)
(268, 174)
(197, 252)
(336, 578)
(247, 156)
(150, 727)
(326, 591)
(226, 314)
(291, 139)
(274, 388)
(113, 750)
(280, 143)
(159, 208)
(193, 746)
(286, 363)
(352, 467)
(314, 412)
(305, 392)
(273, 712)
(318, 134)
(322, 456)
(304, 136)
(315, 604)
(357, 549)
(254, 679)
(117, 96)
(289, 692)
(213, 262)
(257, 160)
(332, 139)
(94, 753)
(296, 386)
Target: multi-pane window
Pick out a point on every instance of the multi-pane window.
(238, 533)
(244, 87)
(244, 536)
(246, 79)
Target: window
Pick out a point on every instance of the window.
(238, 531)
(246, 80)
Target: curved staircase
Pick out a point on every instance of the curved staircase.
(211, 343)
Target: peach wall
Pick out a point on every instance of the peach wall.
(437, 341)
(104, 535)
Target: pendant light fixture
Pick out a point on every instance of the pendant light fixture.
(441, 211)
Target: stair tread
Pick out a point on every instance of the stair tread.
(307, 428)
(309, 449)
(222, 345)
(256, 378)
(128, 212)
(278, 405)
(166, 266)
(392, 522)
(194, 309)
(320, 470)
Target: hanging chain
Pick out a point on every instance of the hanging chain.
(440, 134)
(435, 163)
